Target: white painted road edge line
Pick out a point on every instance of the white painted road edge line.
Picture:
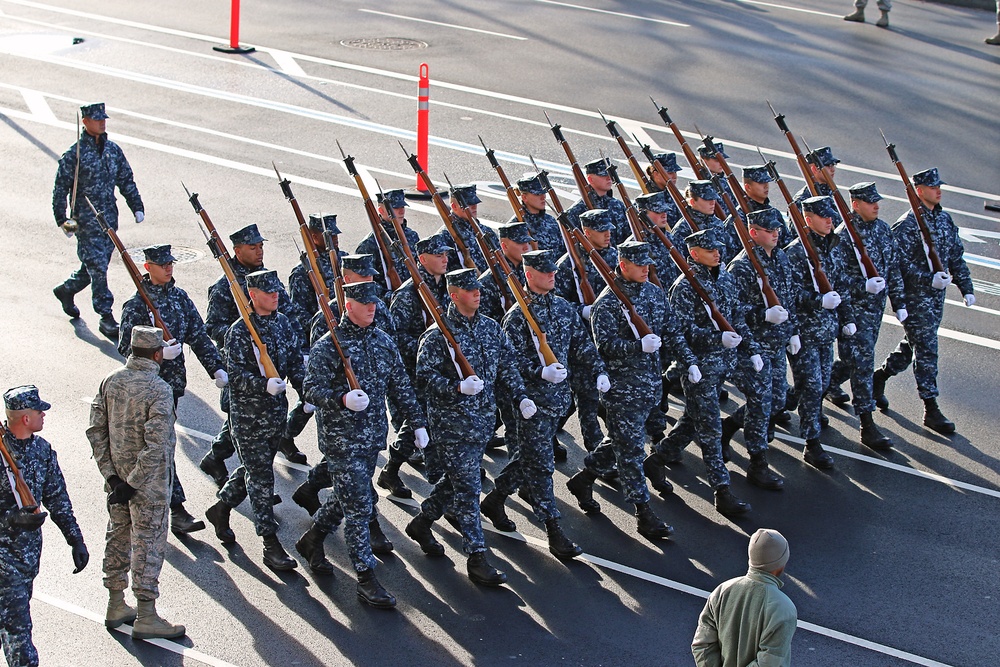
(171, 646)
(605, 11)
(951, 333)
(792, 9)
(444, 25)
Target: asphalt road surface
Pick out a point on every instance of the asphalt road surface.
(894, 558)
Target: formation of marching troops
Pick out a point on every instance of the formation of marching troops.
(601, 311)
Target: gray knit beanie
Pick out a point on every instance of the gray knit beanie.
(768, 550)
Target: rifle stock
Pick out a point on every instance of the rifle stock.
(581, 181)
(638, 229)
(587, 294)
(25, 499)
(512, 196)
(916, 205)
(311, 253)
(644, 183)
(331, 322)
(799, 157)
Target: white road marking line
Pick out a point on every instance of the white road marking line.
(978, 309)
(445, 25)
(173, 647)
(791, 9)
(979, 260)
(605, 11)
(286, 61)
(37, 105)
(954, 335)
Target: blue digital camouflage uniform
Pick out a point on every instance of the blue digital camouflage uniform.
(818, 327)
(103, 167)
(460, 425)
(370, 247)
(302, 294)
(491, 295)
(615, 208)
(704, 221)
(349, 440)
(636, 379)
(924, 303)
(857, 352)
(20, 550)
(256, 417)
(544, 230)
(464, 231)
(565, 332)
(701, 419)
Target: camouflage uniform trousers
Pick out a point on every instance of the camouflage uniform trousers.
(94, 252)
(15, 623)
(136, 540)
(177, 497)
(857, 359)
(919, 345)
(811, 369)
(625, 445)
(587, 402)
(760, 390)
(459, 489)
(222, 444)
(531, 463)
(402, 447)
(353, 501)
(296, 420)
(256, 443)
(702, 423)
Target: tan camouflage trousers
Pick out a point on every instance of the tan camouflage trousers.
(136, 540)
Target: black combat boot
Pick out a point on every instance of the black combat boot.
(524, 494)
(182, 523)
(380, 544)
(729, 505)
(652, 467)
(389, 480)
(759, 473)
(729, 428)
(215, 469)
(837, 396)
(816, 456)
(275, 556)
(370, 591)
(935, 420)
(218, 516)
(108, 327)
(292, 454)
(560, 545)
(66, 300)
(878, 389)
(581, 485)
(559, 451)
(482, 573)
(649, 525)
(310, 547)
(307, 497)
(781, 418)
(871, 436)
(723, 395)
(419, 529)
(493, 509)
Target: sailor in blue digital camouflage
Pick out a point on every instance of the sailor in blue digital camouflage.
(494, 299)
(300, 289)
(773, 328)
(185, 325)
(709, 156)
(132, 435)
(713, 350)
(248, 253)
(820, 159)
(925, 291)
(258, 404)
(756, 186)
(868, 298)
(92, 168)
(822, 317)
(669, 163)
(601, 197)
(391, 203)
(657, 208)
(352, 431)
(466, 195)
(411, 320)
(543, 228)
(633, 361)
(20, 523)
(597, 227)
(532, 462)
(701, 198)
(461, 415)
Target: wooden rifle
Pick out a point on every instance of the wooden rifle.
(799, 157)
(310, 251)
(396, 225)
(581, 181)
(671, 188)
(644, 183)
(512, 196)
(22, 494)
(332, 243)
(638, 229)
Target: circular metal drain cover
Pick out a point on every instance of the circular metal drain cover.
(384, 43)
(183, 255)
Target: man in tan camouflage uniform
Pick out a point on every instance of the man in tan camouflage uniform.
(132, 435)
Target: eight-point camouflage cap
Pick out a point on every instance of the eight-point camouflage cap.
(928, 177)
(466, 194)
(94, 111)
(706, 153)
(517, 232)
(769, 218)
(705, 238)
(158, 254)
(397, 198)
(636, 252)
(668, 160)
(823, 157)
(542, 261)
(821, 206)
(463, 279)
(24, 397)
(654, 201)
(865, 192)
(249, 235)
(147, 338)
(435, 245)
(597, 167)
(324, 223)
(757, 174)
(598, 219)
(703, 190)
(366, 292)
(265, 281)
(531, 184)
(363, 265)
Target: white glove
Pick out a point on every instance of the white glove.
(794, 345)
(420, 438)
(586, 312)
(901, 315)
(70, 233)
(308, 408)
(172, 349)
(849, 329)
(527, 408)
(775, 315)
(275, 386)
(831, 300)
(875, 285)
(651, 343)
(221, 378)
(139, 217)
(305, 359)
(731, 339)
(941, 280)
(970, 299)
(356, 400)
(694, 374)
(471, 385)
(554, 373)
(603, 383)
(758, 363)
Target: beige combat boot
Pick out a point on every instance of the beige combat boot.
(118, 610)
(150, 626)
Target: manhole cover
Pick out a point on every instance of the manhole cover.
(181, 254)
(384, 43)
